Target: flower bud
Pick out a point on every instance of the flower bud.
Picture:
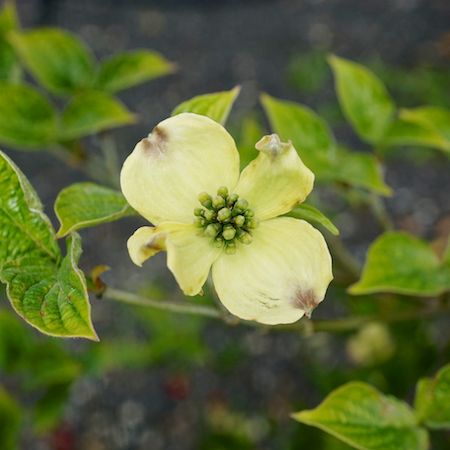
(230, 249)
(205, 199)
(251, 223)
(223, 191)
(224, 215)
(209, 215)
(241, 205)
(232, 199)
(239, 220)
(199, 221)
(212, 229)
(218, 202)
(228, 232)
(245, 238)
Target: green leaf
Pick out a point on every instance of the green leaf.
(46, 292)
(49, 409)
(406, 133)
(432, 118)
(10, 421)
(432, 401)
(363, 99)
(312, 214)
(27, 119)
(91, 112)
(216, 106)
(250, 132)
(125, 70)
(59, 60)
(9, 68)
(8, 17)
(84, 205)
(308, 132)
(400, 263)
(315, 143)
(358, 169)
(362, 417)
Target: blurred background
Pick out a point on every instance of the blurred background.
(159, 381)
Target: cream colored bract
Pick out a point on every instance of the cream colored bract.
(279, 276)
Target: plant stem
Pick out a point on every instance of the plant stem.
(345, 258)
(111, 160)
(380, 212)
(176, 307)
(304, 326)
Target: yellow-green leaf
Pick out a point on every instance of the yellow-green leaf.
(432, 401)
(312, 214)
(315, 144)
(432, 118)
(10, 421)
(400, 263)
(216, 106)
(27, 119)
(408, 133)
(46, 291)
(308, 132)
(364, 418)
(92, 112)
(57, 59)
(363, 99)
(358, 169)
(84, 205)
(250, 132)
(125, 70)
(8, 17)
(9, 68)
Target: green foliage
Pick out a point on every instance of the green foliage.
(415, 85)
(431, 118)
(43, 367)
(10, 421)
(8, 17)
(308, 72)
(365, 419)
(84, 205)
(359, 170)
(312, 214)
(27, 119)
(432, 401)
(363, 99)
(408, 133)
(63, 65)
(9, 68)
(92, 112)
(216, 106)
(56, 58)
(125, 70)
(400, 263)
(47, 291)
(249, 134)
(316, 145)
(309, 133)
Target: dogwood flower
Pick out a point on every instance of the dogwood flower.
(184, 179)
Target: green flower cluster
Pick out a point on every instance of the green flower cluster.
(226, 218)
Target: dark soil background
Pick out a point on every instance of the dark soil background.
(217, 45)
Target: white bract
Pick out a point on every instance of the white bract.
(184, 179)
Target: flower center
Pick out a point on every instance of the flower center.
(225, 218)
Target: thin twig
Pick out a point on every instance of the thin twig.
(176, 307)
(304, 326)
(380, 212)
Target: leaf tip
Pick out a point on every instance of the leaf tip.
(62, 232)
